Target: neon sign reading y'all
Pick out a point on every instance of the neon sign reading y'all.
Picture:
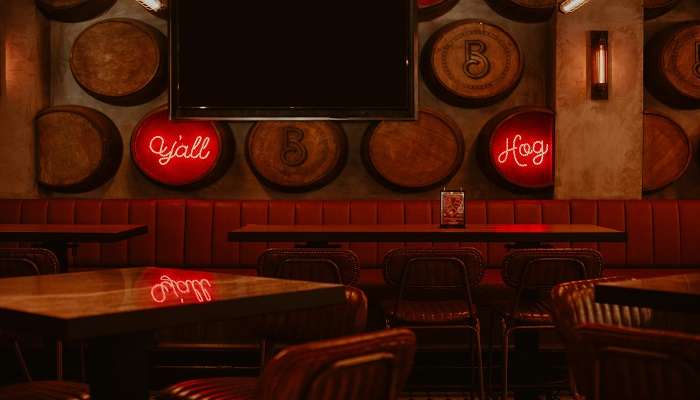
(168, 287)
(177, 149)
(521, 152)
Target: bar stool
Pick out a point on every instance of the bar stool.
(434, 291)
(533, 273)
(640, 364)
(15, 262)
(317, 265)
(574, 304)
(370, 366)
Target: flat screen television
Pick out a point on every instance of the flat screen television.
(302, 59)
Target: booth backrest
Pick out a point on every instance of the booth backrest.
(662, 234)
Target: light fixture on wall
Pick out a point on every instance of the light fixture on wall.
(157, 7)
(569, 6)
(600, 65)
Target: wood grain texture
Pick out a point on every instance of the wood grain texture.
(120, 61)
(119, 301)
(427, 233)
(414, 155)
(73, 10)
(78, 148)
(69, 232)
(524, 10)
(679, 293)
(672, 65)
(296, 156)
(472, 63)
(667, 151)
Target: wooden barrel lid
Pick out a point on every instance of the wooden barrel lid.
(472, 63)
(430, 9)
(524, 10)
(120, 61)
(296, 156)
(667, 151)
(181, 155)
(656, 8)
(73, 10)
(672, 65)
(78, 148)
(414, 155)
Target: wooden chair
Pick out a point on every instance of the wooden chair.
(533, 273)
(574, 304)
(370, 366)
(640, 364)
(15, 262)
(434, 291)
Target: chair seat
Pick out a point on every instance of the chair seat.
(429, 312)
(211, 389)
(45, 390)
(528, 313)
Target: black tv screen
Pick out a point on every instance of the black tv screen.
(303, 59)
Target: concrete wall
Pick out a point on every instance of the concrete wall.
(354, 181)
(599, 142)
(688, 186)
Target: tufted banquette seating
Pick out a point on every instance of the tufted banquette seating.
(662, 234)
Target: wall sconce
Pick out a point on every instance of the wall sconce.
(157, 7)
(600, 65)
(569, 6)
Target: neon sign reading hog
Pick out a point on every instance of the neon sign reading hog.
(179, 290)
(522, 151)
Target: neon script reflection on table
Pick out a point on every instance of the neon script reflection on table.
(168, 287)
(177, 149)
(523, 151)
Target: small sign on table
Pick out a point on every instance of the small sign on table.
(452, 209)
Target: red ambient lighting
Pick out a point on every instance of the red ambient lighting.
(169, 289)
(522, 149)
(175, 153)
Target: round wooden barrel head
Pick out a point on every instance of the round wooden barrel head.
(118, 58)
(414, 155)
(667, 152)
(73, 10)
(296, 156)
(181, 155)
(78, 149)
(430, 9)
(680, 60)
(474, 62)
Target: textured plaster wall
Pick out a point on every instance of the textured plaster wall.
(599, 143)
(688, 186)
(23, 91)
(354, 181)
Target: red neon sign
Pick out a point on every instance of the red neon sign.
(175, 153)
(521, 149)
(169, 289)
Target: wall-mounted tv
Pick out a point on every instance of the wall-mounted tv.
(303, 59)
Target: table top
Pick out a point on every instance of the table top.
(427, 233)
(671, 293)
(117, 301)
(69, 232)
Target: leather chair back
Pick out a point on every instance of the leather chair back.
(641, 364)
(542, 269)
(371, 366)
(433, 268)
(574, 304)
(318, 265)
(26, 261)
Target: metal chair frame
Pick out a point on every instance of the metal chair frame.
(474, 328)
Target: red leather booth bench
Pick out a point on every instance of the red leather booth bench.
(663, 235)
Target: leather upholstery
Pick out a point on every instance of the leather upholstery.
(45, 390)
(370, 366)
(429, 312)
(640, 364)
(318, 265)
(662, 233)
(433, 268)
(574, 304)
(26, 261)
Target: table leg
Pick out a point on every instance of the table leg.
(117, 367)
(526, 367)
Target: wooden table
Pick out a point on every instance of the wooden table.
(116, 310)
(532, 234)
(58, 237)
(669, 293)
